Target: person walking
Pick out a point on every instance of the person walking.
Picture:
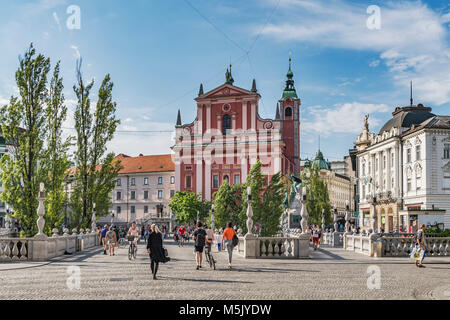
(219, 240)
(227, 237)
(315, 236)
(111, 239)
(155, 249)
(421, 243)
(103, 237)
(200, 241)
(146, 234)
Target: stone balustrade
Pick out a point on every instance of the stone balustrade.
(358, 243)
(274, 247)
(402, 246)
(12, 249)
(380, 245)
(32, 249)
(333, 238)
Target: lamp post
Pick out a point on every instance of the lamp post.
(323, 220)
(7, 219)
(212, 217)
(304, 211)
(335, 218)
(249, 212)
(347, 217)
(374, 214)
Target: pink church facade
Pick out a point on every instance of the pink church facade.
(228, 136)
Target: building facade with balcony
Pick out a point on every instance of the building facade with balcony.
(143, 190)
(404, 170)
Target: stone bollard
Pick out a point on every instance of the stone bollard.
(81, 231)
(74, 231)
(54, 232)
(65, 232)
(88, 231)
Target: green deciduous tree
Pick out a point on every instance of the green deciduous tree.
(55, 163)
(187, 204)
(267, 201)
(317, 198)
(227, 204)
(96, 171)
(23, 127)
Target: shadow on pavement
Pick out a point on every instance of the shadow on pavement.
(205, 280)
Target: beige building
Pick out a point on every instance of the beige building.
(340, 187)
(143, 190)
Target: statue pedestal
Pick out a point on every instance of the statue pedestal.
(251, 246)
(303, 246)
(40, 250)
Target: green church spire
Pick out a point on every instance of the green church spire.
(289, 90)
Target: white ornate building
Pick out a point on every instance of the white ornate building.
(404, 170)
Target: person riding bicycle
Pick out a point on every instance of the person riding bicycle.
(209, 238)
(134, 231)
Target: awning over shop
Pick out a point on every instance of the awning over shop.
(422, 212)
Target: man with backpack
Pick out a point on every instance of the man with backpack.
(200, 240)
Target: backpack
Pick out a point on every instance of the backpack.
(235, 240)
(200, 238)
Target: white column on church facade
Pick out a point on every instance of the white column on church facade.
(244, 115)
(177, 172)
(253, 113)
(208, 117)
(208, 177)
(199, 173)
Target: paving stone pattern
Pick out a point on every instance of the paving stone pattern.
(330, 274)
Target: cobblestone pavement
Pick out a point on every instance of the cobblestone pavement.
(330, 274)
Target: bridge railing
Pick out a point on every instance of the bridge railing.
(382, 245)
(402, 246)
(33, 249)
(358, 243)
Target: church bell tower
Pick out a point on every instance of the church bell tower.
(289, 112)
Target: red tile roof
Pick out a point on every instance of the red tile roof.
(154, 163)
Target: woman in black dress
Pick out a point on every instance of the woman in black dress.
(155, 249)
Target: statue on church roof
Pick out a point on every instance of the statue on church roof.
(228, 77)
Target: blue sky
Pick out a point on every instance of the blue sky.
(158, 53)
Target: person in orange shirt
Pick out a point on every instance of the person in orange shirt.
(227, 237)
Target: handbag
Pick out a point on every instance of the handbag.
(235, 240)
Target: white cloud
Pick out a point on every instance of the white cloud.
(374, 63)
(341, 118)
(412, 40)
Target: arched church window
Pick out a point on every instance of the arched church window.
(226, 123)
(288, 112)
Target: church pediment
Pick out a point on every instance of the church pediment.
(226, 90)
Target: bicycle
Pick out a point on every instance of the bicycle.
(132, 248)
(122, 242)
(209, 257)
